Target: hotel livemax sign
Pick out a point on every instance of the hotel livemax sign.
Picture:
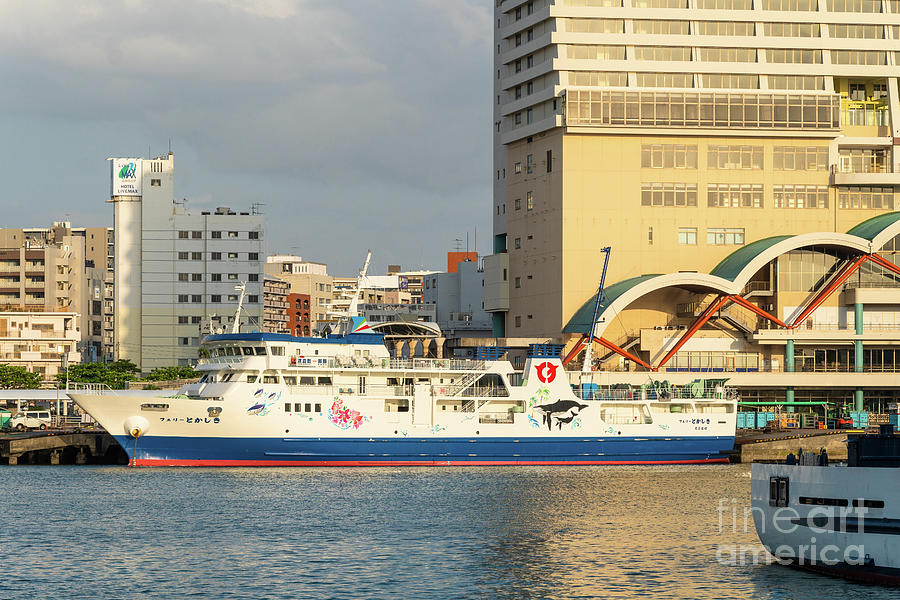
(126, 177)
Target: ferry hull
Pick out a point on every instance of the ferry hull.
(213, 451)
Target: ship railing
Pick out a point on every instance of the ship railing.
(96, 388)
(477, 392)
(652, 395)
(388, 391)
(432, 364)
(498, 417)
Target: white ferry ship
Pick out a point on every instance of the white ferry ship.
(273, 399)
(836, 519)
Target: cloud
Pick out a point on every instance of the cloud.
(350, 94)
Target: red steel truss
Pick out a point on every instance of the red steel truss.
(844, 274)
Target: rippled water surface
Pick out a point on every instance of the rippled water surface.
(543, 532)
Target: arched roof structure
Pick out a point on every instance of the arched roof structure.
(411, 329)
(735, 270)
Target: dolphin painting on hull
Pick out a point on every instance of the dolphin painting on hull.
(560, 409)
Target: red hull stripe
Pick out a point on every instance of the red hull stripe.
(164, 462)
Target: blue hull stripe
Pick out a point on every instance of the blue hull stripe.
(401, 450)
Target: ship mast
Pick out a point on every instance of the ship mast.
(354, 302)
(236, 328)
(586, 366)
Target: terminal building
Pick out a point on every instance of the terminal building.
(733, 148)
(676, 131)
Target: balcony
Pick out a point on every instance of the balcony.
(869, 168)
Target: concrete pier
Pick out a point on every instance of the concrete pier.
(61, 448)
(777, 446)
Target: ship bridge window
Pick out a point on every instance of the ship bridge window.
(270, 378)
(251, 378)
(227, 377)
(324, 380)
(247, 350)
(289, 380)
(261, 350)
(307, 381)
(866, 503)
(277, 350)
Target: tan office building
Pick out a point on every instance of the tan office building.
(61, 268)
(677, 131)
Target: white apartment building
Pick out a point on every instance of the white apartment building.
(458, 301)
(41, 342)
(176, 270)
(305, 277)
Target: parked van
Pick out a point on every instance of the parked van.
(30, 419)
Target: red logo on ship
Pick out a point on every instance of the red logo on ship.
(546, 372)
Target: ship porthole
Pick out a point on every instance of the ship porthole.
(287, 430)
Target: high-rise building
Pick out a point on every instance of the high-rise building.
(677, 131)
(61, 268)
(176, 271)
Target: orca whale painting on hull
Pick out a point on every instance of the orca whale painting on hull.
(561, 410)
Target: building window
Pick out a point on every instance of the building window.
(517, 168)
(215, 298)
(196, 256)
(182, 320)
(518, 203)
(253, 256)
(253, 299)
(182, 235)
(518, 282)
(669, 156)
(518, 243)
(687, 236)
(518, 321)
(528, 117)
(800, 158)
(549, 160)
(183, 255)
(215, 277)
(529, 163)
(734, 195)
(232, 234)
(184, 341)
(182, 298)
(155, 183)
(529, 201)
(529, 61)
(800, 196)
(232, 255)
(197, 277)
(718, 236)
(182, 277)
(517, 118)
(197, 235)
(253, 277)
(195, 320)
(518, 66)
(735, 157)
(232, 276)
(196, 298)
(668, 194)
(216, 235)
(866, 197)
(650, 236)
(253, 235)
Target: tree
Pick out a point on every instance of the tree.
(18, 378)
(115, 375)
(171, 373)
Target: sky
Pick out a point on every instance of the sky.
(358, 124)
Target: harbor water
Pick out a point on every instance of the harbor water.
(444, 533)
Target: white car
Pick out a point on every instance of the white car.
(30, 419)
